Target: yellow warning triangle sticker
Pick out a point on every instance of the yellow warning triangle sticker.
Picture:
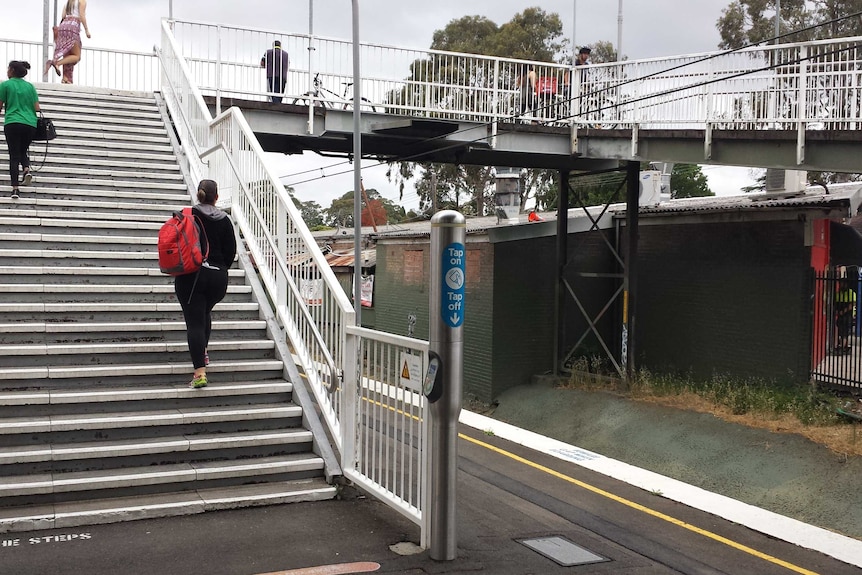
(405, 371)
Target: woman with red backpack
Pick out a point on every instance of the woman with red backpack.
(199, 292)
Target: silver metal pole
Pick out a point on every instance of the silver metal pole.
(777, 20)
(45, 28)
(620, 32)
(357, 172)
(171, 13)
(574, 30)
(446, 318)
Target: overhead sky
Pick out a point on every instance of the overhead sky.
(652, 29)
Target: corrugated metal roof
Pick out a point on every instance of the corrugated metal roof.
(839, 196)
(344, 259)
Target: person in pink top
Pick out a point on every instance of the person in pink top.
(67, 39)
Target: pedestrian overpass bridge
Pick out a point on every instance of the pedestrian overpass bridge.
(793, 106)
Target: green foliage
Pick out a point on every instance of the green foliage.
(745, 395)
(688, 181)
(751, 21)
(340, 212)
(530, 35)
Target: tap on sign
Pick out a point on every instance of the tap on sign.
(452, 302)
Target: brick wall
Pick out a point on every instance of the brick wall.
(401, 289)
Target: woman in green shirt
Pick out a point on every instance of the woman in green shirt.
(21, 102)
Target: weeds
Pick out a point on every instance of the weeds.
(751, 396)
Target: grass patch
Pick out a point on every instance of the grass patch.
(785, 408)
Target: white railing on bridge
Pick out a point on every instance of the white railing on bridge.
(812, 85)
(99, 67)
(378, 420)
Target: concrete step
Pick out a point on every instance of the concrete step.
(94, 208)
(112, 510)
(83, 96)
(115, 312)
(81, 144)
(61, 210)
(115, 275)
(141, 478)
(59, 165)
(104, 172)
(53, 333)
(69, 154)
(62, 455)
(91, 181)
(130, 375)
(111, 395)
(183, 416)
(60, 108)
(15, 224)
(153, 195)
(66, 116)
(80, 293)
(122, 353)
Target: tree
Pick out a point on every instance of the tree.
(688, 181)
(340, 212)
(752, 21)
(531, 35)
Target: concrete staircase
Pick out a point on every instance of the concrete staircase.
(97, 423)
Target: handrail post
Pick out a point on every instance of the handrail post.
(803, 105)
(218, 70)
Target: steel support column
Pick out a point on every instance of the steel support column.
(562, 259)
(630, 272)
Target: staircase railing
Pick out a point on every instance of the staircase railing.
(376, 416)
(99, 67)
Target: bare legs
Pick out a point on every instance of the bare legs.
(67, 62)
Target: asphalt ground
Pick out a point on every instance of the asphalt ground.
(506, 493)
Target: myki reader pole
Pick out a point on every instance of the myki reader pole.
(444, 381)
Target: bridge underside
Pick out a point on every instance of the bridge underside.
(284, 128)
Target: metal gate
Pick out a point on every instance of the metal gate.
(836, 351)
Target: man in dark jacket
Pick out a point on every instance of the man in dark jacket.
(275, 60)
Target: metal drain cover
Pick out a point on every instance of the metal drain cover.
(562, 551)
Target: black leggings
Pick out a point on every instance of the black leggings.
(197, 303)
(18, 139)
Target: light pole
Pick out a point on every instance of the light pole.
(45, 17)
(574, 34)
(777, 20)
(620, 32)
(357, 172)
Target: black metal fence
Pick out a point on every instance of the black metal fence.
(836, 350)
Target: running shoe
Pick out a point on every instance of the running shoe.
(198, 382)
(14, 194)
(28, 178)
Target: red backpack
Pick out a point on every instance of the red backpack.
(181, 250)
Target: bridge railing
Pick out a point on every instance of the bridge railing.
(99, 67)
(377, 418)
(812, 85)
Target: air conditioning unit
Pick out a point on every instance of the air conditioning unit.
(650, 188)
(785, 182)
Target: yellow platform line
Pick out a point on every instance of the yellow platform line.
(644, 509)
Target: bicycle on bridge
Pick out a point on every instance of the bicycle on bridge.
(324, 97)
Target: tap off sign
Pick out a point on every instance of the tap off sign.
(452, 302)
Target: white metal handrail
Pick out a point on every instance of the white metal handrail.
(810, 85)
(378, 420)
(99, 67)
(281, 246)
